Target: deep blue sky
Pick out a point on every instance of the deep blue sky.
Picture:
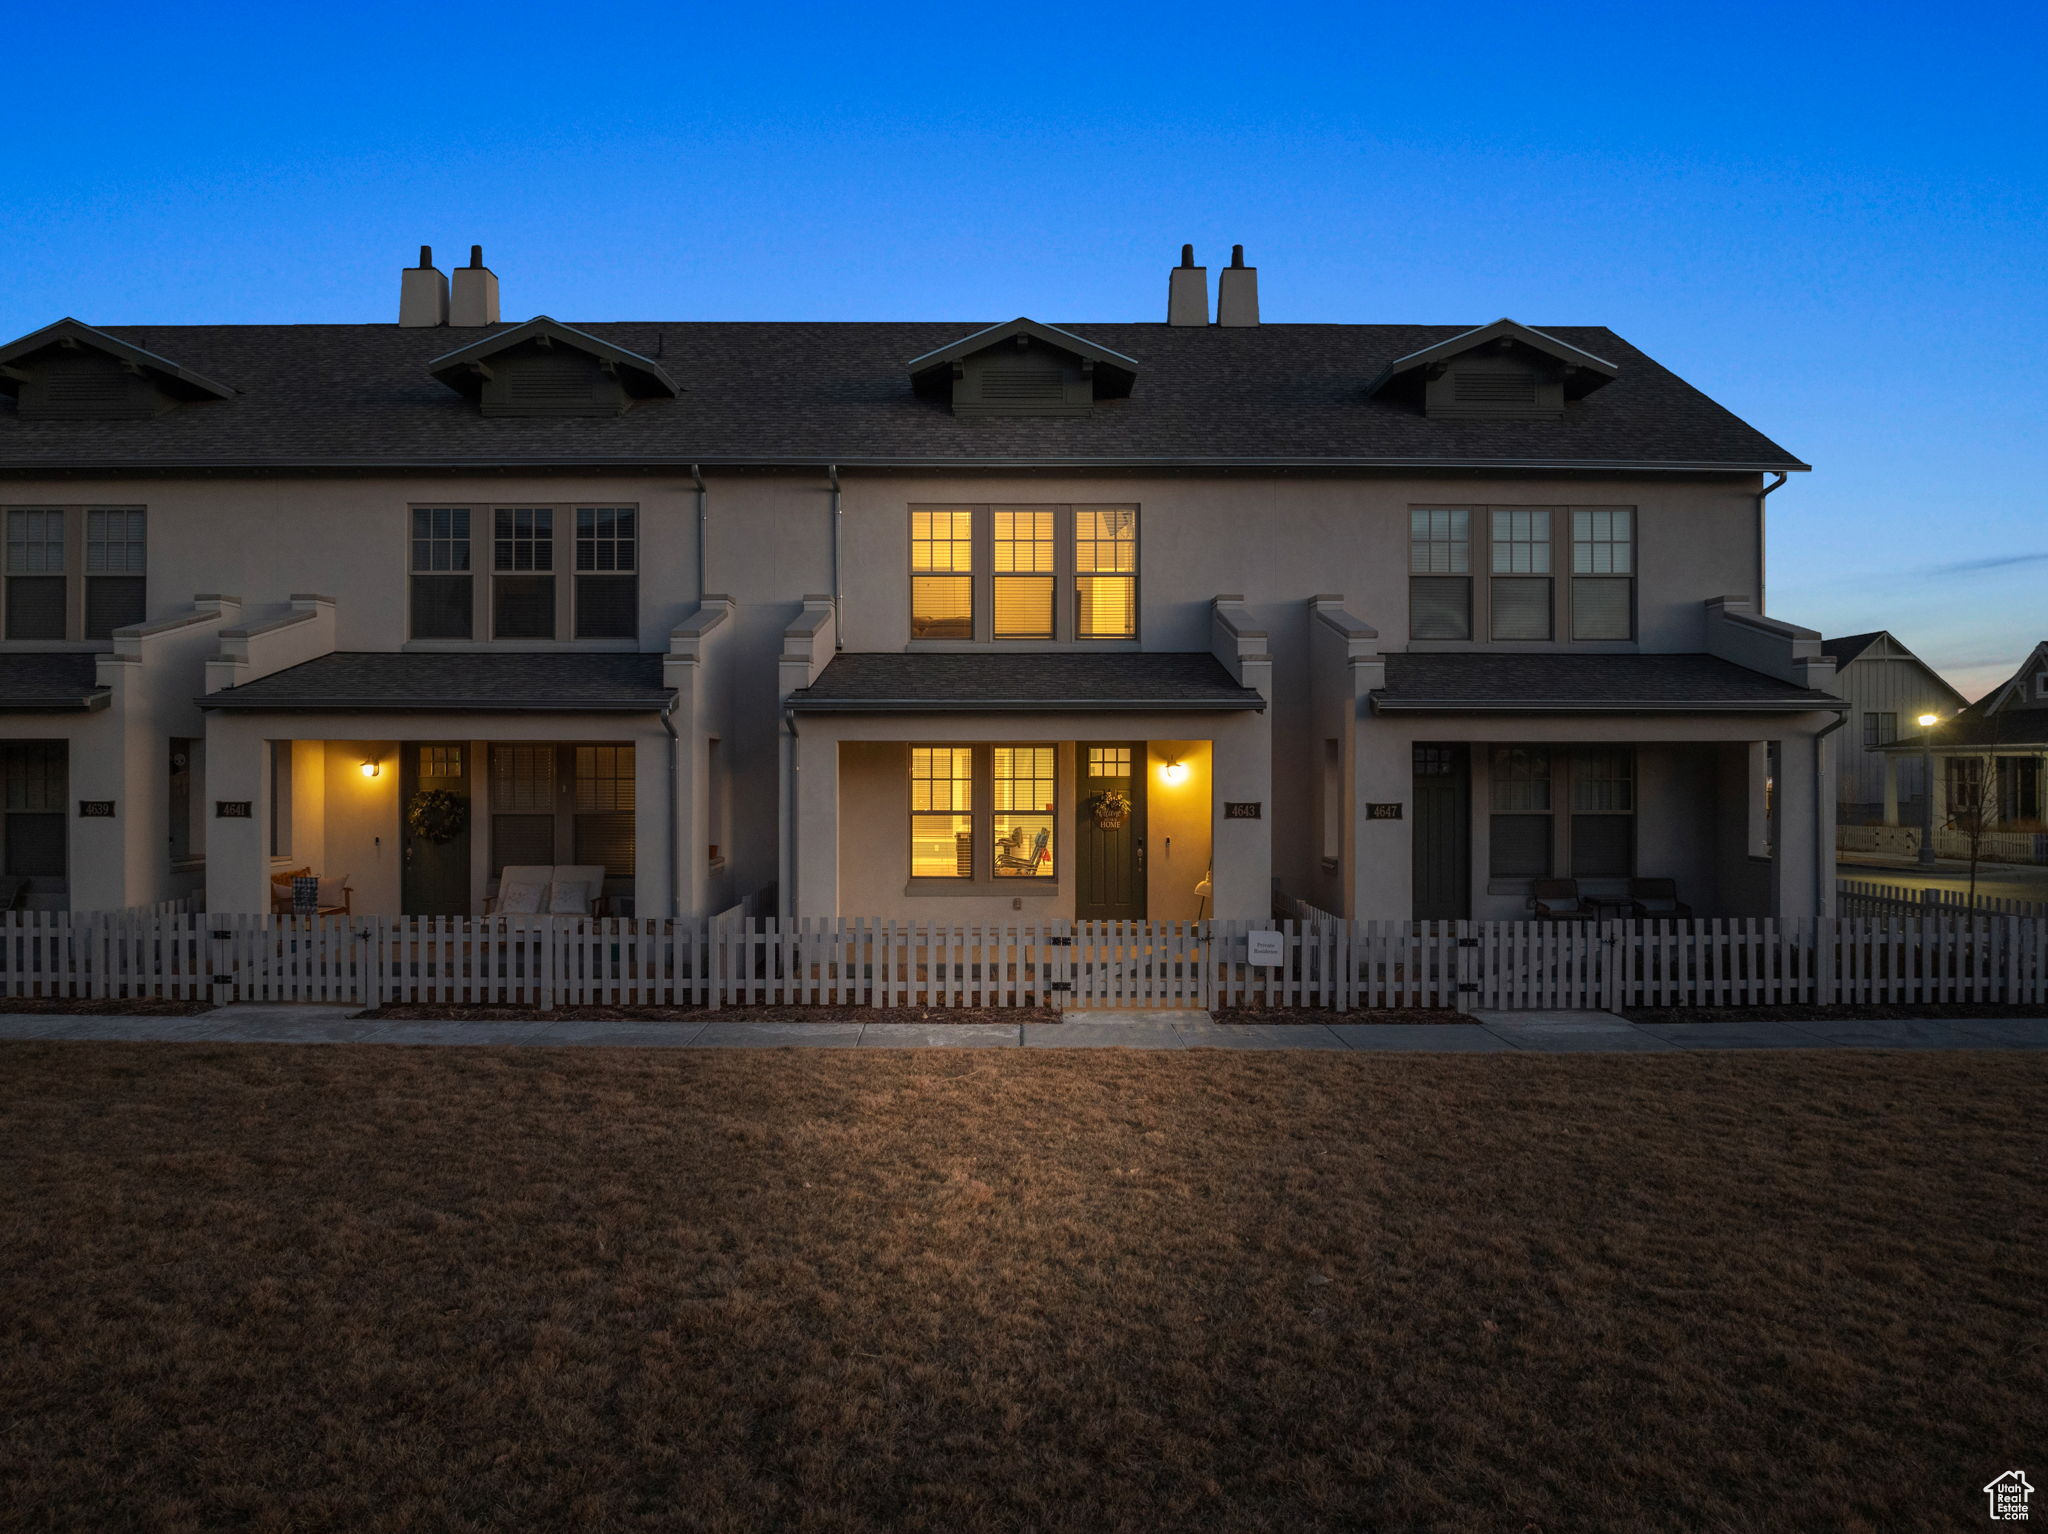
(1830, 217)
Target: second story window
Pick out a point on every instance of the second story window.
(942, 575)
(523, 595)
(1044, 573)
(1440, 573)
(75, 572)
(1106, 574)
(607, 585)
(1603, 573)
(523, 572)
(1521, 574)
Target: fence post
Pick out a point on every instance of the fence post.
(1824, 935)
(1611, 961)
(220, 959)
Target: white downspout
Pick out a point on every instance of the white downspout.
(703, 582)
(675, 811)
(1823, 801)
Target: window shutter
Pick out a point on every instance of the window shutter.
(1521, 607)
(442, 607)
(35, 607)
(111, 602)
(1600, 608)
(1440, 607)
(607, 606)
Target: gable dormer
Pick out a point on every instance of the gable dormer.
(546, 368)
(71, 372)
(1502, 371)
(2027, 688)
(1023, 368)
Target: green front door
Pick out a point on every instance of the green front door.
(435, 876)
(1110, 850)
(1442, 833)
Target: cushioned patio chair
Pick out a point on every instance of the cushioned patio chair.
(576, 889)
(1558, 900)
(1656, 899)
(522, 891)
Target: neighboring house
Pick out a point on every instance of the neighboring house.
(932, 621)
(1887, 688)
(2001, 741)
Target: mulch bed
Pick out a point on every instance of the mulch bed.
(101, 1006)
(434, 1012)
(1861, 1012)
(339, 1287)
(1328, 1015)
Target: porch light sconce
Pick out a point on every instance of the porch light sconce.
(371, 768)
(1929, 721)
(1174, 772)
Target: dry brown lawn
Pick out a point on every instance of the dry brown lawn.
(377, 1288)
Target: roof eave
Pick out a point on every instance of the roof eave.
(1381, 705)
(671, 462)
(803, 705)
(434, 706)
(89, 703)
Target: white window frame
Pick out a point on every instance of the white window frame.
(1065, 575)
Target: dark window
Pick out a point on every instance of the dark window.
(523, 586)
(1519, 828)
(521, 841)
(33, 782)
(604, 808)
(1521, 574)
(1880, 729)
(112, 602)
(443, 595)
(1603, 573)
(35, 573)
(1440, 573)
(35, 607)
(607, 587)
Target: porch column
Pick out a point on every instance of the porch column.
(237, 847)
(816, 765)
(1802, 873)
(1382, 866)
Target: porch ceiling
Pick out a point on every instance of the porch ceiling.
(55, 683)
(357, 682)
(1536, 683)
(1035, 682)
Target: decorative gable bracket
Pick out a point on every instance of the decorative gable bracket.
(1502, 371)
(546, 368)
(70, 371)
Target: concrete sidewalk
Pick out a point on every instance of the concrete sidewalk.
(1489, 1032)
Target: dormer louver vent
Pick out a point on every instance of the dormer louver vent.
(1023, 368)
(545, 368)
(1500, 372)
(71, 372)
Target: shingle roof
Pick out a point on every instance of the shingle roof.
(1544, 683)
(467, 682)
(926, 681)
(816, 393)
(49, 684)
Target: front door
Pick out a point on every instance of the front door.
(1110, 847)
(435, 881)
(1442, 835)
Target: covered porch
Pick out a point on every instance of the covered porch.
(1500, 778)
(415, 785)
(1000, 787)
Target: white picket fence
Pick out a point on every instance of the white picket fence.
(1935, 953)
(1868, 897)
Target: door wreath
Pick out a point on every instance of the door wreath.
(1111, 810)
(436, 815)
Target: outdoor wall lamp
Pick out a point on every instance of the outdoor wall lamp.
(371, 769)
(1174, 772)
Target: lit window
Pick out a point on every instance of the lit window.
(942, 812)
(1106, 573)
(1023, 574)
(1023, 822)
(942, 574)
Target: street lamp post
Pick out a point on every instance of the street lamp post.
(1927, 724)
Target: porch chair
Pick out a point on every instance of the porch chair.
(335, 897)
(11, 891)
(1654, 899)
(1558, 900)
(1014, 863)
(576, 889)
(522, 890)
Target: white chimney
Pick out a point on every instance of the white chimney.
(1237, 291)
(475, 300)
(423, 293)
(1187, 291)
